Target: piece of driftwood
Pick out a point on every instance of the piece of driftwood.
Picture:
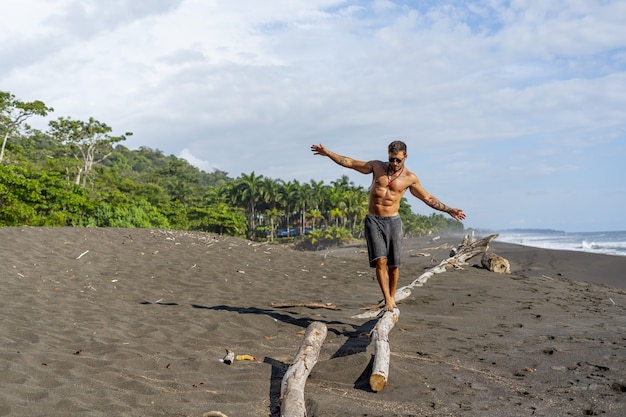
(292, 386)
(380, 338)
(328, 306)
(495, 263)
(466, 250)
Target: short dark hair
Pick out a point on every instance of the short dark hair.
(397, 146)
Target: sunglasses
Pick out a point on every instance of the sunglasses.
(396, 160)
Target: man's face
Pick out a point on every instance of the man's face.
(396, 160)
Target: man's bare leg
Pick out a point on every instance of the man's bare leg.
(394, 275)
(382, 275)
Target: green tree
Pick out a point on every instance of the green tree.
(270, 192)
(272, 215)
(19, 196)
(290, 194)
(335, 215)
(62, 204)
(336, 202)
(182, 180)
(138, 214)
(246, 191)
(356, 201)
(315, 216)
(14, 113)
(177, 215)
(89, 142)
(219, 218)
(218, 193)
(303, 201)
(39, 198)
(318, 194)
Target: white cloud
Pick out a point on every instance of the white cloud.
(203, 165)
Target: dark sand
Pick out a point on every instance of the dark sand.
(137, 326)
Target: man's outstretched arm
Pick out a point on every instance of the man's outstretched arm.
(418, 191)
(344, 161)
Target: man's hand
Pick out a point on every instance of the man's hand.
(319, 150)
(457, 214)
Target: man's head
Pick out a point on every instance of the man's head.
(397, 154)
(397, 146)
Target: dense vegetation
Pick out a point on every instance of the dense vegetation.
(78, 174)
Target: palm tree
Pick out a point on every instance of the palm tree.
(337, 205)
(315, 215)
(290, 192)
(342, 184)
(179, 190)
(304, 199)
(246, 192)
(318, 193)
(270, 192)
(218, 193)
(335, 214)
(356, 207)
(272, 215)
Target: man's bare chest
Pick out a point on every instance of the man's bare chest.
(396, 183)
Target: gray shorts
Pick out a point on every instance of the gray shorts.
(384, 238)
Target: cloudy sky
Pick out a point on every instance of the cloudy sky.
(514, 111)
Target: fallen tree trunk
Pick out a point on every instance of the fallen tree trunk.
(292, 387)
(495, 263)
(380, 337)
(466, 250)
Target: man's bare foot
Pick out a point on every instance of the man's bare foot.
(390, 306)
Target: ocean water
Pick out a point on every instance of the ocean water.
(608, 243)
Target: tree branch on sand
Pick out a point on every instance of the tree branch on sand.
(495, 263)
(292, 386)
(380, 338)
(466, 250)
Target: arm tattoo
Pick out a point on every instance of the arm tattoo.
(438, 205)
(342, 161)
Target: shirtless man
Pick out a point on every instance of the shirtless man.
(383, 226)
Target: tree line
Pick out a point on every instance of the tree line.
(77, 173)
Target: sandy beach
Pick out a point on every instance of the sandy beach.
(134, 322)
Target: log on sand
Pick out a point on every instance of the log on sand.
(292, 387)
(380, 338)
(495, 263)
(466, 250)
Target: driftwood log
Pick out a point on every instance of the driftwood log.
(466, 250)
(380, 338)
(495, 263)
(292, 387)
